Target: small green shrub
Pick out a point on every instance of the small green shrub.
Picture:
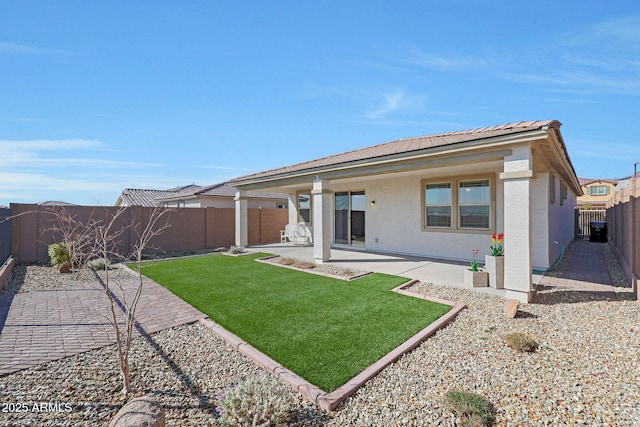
(237, 250)
(260, 401)
(98, 264)
(473, 408)
(59, 253)
(521, 342)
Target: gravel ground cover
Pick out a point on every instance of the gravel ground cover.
(585, 371)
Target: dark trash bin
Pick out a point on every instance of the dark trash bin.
(598, 231)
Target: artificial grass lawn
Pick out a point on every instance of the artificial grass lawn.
(325, 330)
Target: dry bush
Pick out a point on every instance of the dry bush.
(521, 342)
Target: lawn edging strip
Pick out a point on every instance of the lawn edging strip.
(329, 401)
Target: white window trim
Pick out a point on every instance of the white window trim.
(450, 205)
(455, 206)
(473, 204)
(300, 219)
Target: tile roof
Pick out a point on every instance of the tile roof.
(586, 181)
(142, 197)
(405, 145)
(56, 203)
(220, 190)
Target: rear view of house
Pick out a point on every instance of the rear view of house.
(437, 196)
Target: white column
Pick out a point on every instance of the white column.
(321, 221)
(517, 175)
(242, 233)
(293, 208)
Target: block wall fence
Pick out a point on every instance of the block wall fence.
(191, 229)
(623, 224)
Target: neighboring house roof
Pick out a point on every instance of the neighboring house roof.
(422, 145)
(586, 181)
(216, 190)
(184, 188)
(140, 197)
(56, 203)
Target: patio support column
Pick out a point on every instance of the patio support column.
(293, 208)
(321, 221)
(242, 232)
(517, 175)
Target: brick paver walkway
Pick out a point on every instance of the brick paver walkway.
(38, 327)
(586, 271)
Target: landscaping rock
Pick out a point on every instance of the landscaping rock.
(65, 267)
(510, 308)
(140, 412)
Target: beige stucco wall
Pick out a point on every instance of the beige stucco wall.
(394, 223)
(552, 222)
(587, 198)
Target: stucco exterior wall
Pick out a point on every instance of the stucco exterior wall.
(552, 221)
(561, 225)
(540, 217)
(394, 223)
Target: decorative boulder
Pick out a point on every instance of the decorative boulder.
(65, 267)
(140, 412)
(511, 308)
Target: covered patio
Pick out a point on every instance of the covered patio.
(436, 271)
(436, 198)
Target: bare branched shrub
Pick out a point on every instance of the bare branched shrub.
(96, 241)
(106, 235)
(75, 236)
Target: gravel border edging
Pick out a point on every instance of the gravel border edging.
(266, 260)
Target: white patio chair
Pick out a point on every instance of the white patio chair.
(289, 233)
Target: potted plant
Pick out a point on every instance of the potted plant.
(473, 276)
(494, 262)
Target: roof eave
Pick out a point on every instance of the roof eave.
(526, 136)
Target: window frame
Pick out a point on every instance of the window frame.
(300, 218)
(460, 204)
(425, 206)
(455, 205)
(597, 193)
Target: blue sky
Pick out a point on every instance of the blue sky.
(100, 96)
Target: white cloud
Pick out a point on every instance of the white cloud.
(395, 101)
(40, 153)
(437, 61)
(15, 48)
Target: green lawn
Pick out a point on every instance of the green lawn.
(325, 330)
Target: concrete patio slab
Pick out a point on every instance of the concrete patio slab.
(440, 272)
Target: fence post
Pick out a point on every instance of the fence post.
(634, 239)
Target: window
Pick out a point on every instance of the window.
(552, 189)
(438, 205)
(465, 204)
(474, 204)
(598, 190)
(181, 204)
(304, 207)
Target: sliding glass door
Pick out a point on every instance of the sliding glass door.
(349, 218)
